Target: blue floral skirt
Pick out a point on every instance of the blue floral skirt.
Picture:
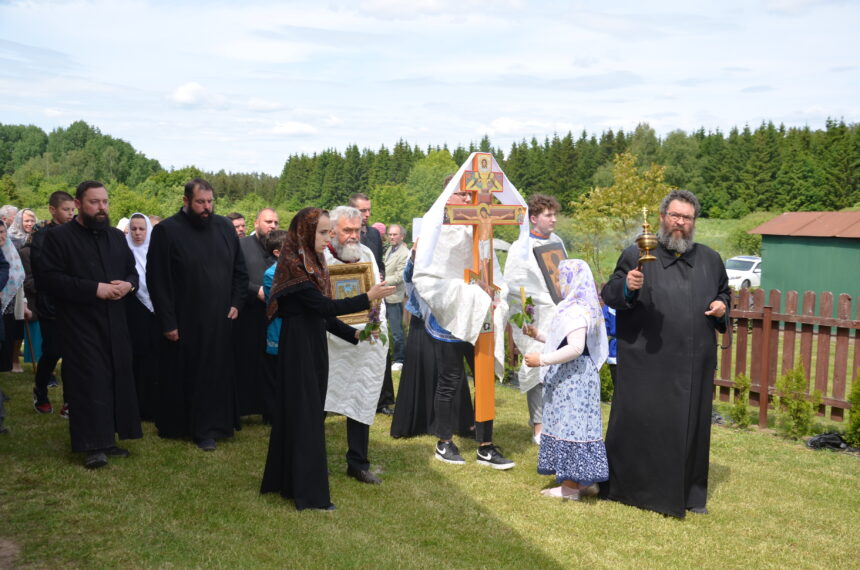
(571, 446)
(583, 463)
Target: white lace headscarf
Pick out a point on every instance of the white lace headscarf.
(16, 272)
(580, 301)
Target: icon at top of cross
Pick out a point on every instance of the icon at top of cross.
(482, 181)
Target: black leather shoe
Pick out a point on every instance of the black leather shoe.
(698, 510)
(116, 451)
(95, 460)
(386, 410)
(207, 445)
(364, 476)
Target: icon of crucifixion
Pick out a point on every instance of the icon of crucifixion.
(483, 215)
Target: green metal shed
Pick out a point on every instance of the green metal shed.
(811, 251)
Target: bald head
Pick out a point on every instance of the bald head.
(266, 221)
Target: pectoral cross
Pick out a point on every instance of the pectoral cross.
(483, 215)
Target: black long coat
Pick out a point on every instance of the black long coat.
(194, 275)
(658, 439)
(296, 465)
(249, 333)
(97, 357)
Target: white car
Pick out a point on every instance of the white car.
(744, 271)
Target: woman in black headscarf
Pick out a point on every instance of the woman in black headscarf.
(296, 465)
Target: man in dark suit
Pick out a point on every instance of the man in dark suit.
(371, 238)
(249, 332)
(369, 235)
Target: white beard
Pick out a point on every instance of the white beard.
(350, 252)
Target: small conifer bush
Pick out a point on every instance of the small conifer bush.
(794, 409)
(740, 411)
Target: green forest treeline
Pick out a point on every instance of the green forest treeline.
(769, 168)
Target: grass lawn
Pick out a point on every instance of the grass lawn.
(773, 504)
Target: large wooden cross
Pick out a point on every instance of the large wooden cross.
(483, 215)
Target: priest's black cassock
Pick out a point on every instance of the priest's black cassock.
(658, 440)
(249, 334)
(97, 356)
(195, 273)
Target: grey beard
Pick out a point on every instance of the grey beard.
(349, 252)
(679, 244)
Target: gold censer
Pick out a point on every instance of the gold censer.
(646, 241)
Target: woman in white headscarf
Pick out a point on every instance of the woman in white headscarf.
(571, 444)
(22, 227)
(12, 301)
(142, 322)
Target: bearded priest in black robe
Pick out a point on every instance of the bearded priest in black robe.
(659, 433)
(88, 269)
(197, 280)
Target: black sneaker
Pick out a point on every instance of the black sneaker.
(446, 451)
(491, 456)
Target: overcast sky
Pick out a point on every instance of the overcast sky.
(242, 85)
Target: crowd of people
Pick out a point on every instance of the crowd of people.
(191, 324)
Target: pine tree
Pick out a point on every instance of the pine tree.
(355, 175)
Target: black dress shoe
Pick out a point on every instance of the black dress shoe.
(386, 410)
(95, 460)
(698, 510)
(116, 451)
(206, 444)
(364, 476)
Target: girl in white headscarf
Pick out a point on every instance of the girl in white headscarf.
(12, 298)
(142, 322)
(22, 227)
(571, 445)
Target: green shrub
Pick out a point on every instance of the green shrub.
(749, 244)
(606, 387)
(852, 434)
(794, 410)
(740, 411)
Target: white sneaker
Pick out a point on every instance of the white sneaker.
(397, 367)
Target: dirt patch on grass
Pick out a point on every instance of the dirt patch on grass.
(9, 552)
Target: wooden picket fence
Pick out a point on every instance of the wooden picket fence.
(764, 342)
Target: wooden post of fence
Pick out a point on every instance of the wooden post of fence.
(765, 366)
(840, 364)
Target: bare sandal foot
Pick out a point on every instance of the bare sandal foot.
(561, 492)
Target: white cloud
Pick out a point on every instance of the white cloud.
(52, 112)
(255, 104)
(188, 95)
(509, 126)
(417, 9)
(333, 121)
(293, 128)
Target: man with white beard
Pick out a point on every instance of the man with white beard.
(355, 372)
